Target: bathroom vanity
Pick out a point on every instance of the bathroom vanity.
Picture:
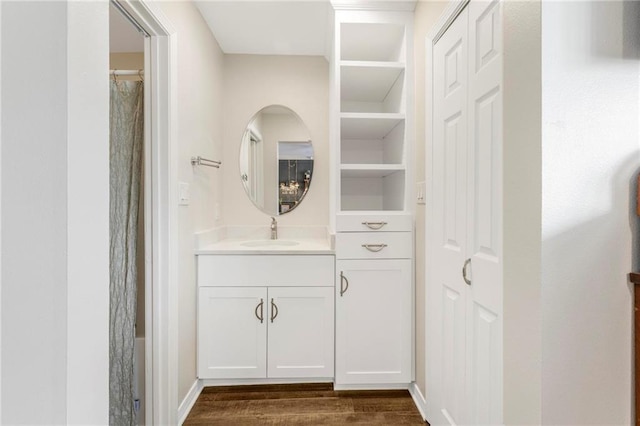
(266, 310)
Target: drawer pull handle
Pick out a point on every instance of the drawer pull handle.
(261, 316)
(374, 225)
(274, 310)
(374, 247)
(343, 279)
(464, 271)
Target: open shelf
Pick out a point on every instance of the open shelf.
(372, 95)
(372, 193)
(371, 42)
(386, 150)
(371, 88)
(368, 125)
(369, 170)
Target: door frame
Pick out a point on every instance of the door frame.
(447, 17)
(160, 165)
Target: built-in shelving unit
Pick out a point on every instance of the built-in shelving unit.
(371, 141)
(373, 83)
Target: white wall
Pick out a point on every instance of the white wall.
(522, 199)
(199, 106)
(426, 14)
(301, 83)
(591, 155)
(54, 213)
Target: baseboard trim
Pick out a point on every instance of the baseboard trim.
(372, 386)
(188, 401)
(419, 400)
(240, 382)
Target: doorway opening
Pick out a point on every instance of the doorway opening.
(160, 308)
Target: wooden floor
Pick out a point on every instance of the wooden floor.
(304, 404)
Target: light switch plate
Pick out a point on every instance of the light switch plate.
(420, 189)
(183, 194)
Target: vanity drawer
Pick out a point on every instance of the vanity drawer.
(265, 270)
(374, 245)
(374, 223)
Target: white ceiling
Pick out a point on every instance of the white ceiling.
(123, 36)
(293, 27)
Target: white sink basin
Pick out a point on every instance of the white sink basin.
(269, 243)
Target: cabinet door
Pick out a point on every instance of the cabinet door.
(232, 332)
(300, 332)
(373, 322)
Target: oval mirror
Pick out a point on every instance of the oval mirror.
(276, 160)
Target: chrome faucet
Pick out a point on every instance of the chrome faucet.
(274, 229)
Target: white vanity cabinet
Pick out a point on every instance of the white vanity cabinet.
(261, 316)
(374, 308)
(232, 337)
(373, 333)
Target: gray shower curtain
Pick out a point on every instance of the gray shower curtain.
(126, 142)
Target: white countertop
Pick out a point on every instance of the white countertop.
(230, 239)
(304, 246)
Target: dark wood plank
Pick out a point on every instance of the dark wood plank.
(330, 419)
(302, 404)
(273, 407)
(248, 396)
(383, 405)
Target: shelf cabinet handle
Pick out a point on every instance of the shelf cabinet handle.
(344, 280)
(274, 310)
(464, 271)
(374, 225)
(260, 306)
(374, 247)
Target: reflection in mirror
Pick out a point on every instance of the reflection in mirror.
(276, 160)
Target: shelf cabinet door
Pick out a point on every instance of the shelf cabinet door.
(300, 332)
(232, 339)
(373, 322)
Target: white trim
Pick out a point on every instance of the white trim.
(0, 220)
(239, 382)
(384, 386)
(428, 211)
(446, 19)
(375, 5)
(189, 401)
(161, 357)
(419, 400)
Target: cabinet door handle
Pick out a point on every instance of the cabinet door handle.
(374, 225)
(374, 247)
(261, 316)
(464, 271)
(343, 279)
(274, 310)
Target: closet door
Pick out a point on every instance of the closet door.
(446, 369)
(484, 302)
(465, 285)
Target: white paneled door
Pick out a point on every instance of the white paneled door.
(232, 332)
(300, 342)
(373, 322)
(450, 145)
(464, 363)
(484, 242)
